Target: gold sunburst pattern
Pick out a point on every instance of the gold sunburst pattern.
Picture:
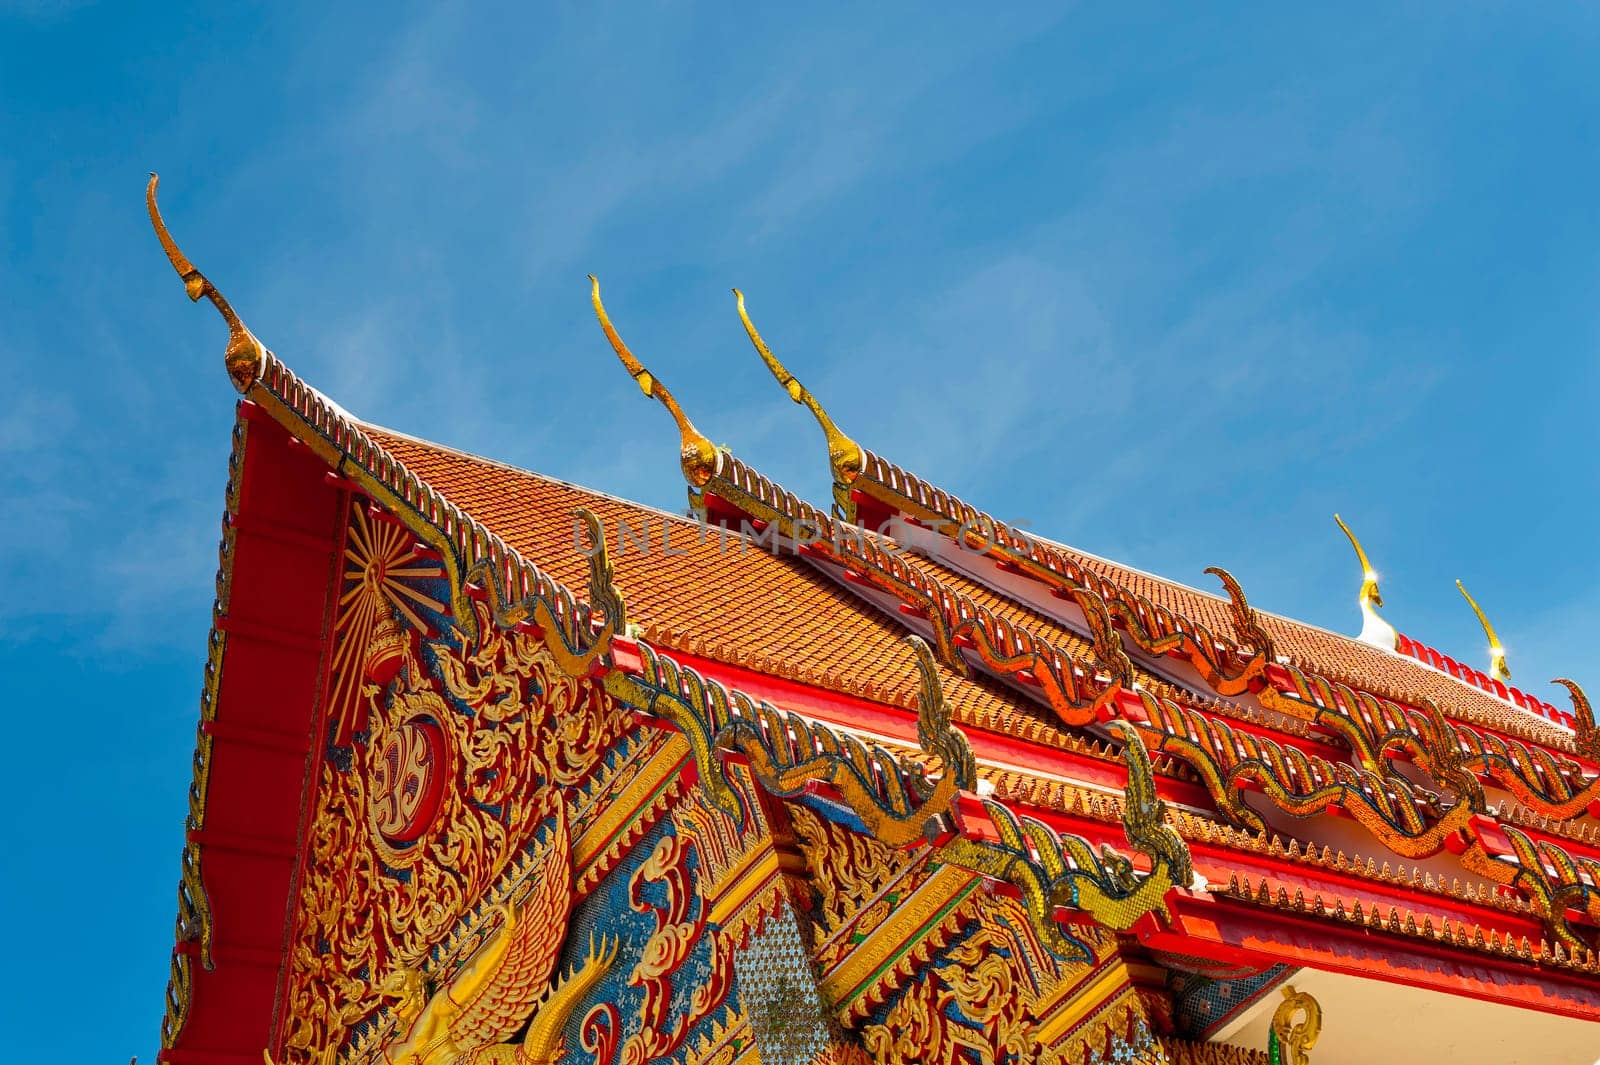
(380, 559)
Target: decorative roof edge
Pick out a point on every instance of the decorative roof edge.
(1161, 622)
(1435, 659)
(1379, 797)
(194, 924)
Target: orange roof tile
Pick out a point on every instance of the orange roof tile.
(1340, 658)
(772, 614)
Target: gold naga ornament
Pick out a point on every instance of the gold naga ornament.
(1497, 652)
(698, 454)
(845, 457)
(1288, 1042)
(1374, 630)
(245, 354)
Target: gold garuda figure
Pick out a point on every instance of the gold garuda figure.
(469, 1020)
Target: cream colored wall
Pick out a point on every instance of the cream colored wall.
(1368, 1022)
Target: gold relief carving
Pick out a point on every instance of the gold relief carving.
(408, 779)
(728, 1043)
(719, 840)
(848, 873)
(906, 932)
(622, 806)
(371, 902)
(915, 1032)
(1001, 996)
(1290, 1042)
(740, 868)
(380, 561)
(843, 1054)
(1183, 1052)
(506, 980)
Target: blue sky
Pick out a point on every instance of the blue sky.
(1171, 289)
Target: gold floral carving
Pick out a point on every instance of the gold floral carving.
(880, 915)
(850, 876)
(369, 905)
(1000, 995)
(508, 979)
(740, 874)
(1183, 1052)
(644, 780)
(729, 1042)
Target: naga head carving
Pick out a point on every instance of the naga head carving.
(410, 988)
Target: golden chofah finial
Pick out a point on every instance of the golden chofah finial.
(1374, 629)
(1497, 652)
(699, 455)
(244, 354)
(844, 454)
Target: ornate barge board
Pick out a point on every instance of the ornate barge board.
(478, 779)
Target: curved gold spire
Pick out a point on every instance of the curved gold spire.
(699, 455)
(1374, 629)
(844, 454)
(1497, 653)
(244, 354)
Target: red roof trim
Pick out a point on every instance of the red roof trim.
(1481, 680)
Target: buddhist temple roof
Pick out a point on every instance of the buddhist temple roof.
(1295, 765)
(1400, 676)
(739, 604)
